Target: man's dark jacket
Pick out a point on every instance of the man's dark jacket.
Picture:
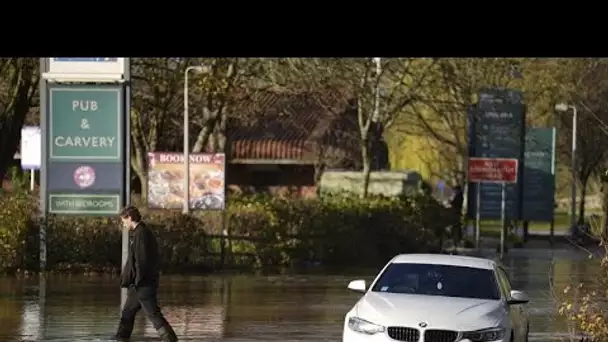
(141, 269)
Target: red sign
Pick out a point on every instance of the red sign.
(492, 170)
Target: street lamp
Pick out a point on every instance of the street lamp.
(563, 107)
(198, 69)
(376, 115)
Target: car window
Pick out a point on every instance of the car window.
(503, 280)
(438, 280)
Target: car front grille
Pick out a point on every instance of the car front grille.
(440, 335)
(404, 334)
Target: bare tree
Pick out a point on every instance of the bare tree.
(382, 87)
(156, 98)
(586, 81)
(18, 88)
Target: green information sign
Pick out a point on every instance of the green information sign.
(85, 142)
(84, 204)
(85, 123)
(539, 175)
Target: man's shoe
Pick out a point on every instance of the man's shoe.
(121, 338)
(167, 334)
(123, 334)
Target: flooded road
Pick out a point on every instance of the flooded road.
(248, 308)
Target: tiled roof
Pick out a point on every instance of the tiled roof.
(275, 125)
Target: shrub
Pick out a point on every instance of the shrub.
(270, 232)
(16, 226)
(584, 305)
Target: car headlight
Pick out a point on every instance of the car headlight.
(485, 335)
(365, 327)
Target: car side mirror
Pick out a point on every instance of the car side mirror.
(357, 286)
(517, 297)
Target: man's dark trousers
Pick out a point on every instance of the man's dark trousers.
(137, 299)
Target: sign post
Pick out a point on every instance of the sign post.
(30, 152)
(538, 177)
(496, 128)
(501, 171)
(478, 217)
(503, 219)
(86, 164)
(84, 118)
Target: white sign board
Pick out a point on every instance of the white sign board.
(31, 148)
(86, 65)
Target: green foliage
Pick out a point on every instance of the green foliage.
(273, 233)
(15, 227)
(19, 180)
(583, 305)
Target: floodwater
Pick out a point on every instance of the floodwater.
(249, 308)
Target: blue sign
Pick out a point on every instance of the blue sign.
(496, 130)
(539, 175)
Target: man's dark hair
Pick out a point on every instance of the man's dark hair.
(132, 212)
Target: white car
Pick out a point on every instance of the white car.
(437, 298)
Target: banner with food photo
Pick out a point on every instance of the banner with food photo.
(166, 181)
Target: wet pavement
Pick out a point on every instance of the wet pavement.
(249, 308)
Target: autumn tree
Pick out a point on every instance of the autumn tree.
(440, 115)
(18, 88)
(382, 88)
(585, 85)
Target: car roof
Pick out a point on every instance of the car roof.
(444, 259)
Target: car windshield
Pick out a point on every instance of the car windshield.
(438, 280)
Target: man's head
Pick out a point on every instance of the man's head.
(130, 216)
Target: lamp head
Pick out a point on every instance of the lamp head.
(561, 107)
(199, 69)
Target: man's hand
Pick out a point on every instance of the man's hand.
(126, 277)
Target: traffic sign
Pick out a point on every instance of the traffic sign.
(493, 170)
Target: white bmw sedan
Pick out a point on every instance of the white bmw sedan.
(437, 298)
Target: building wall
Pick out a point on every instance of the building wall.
(281, 180)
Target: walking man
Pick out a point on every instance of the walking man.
(456, 204)
(140, 276)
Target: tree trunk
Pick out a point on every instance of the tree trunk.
(605, 206)
(581, 205)
(202, 139)
(367, 161)
(140, 166)
(143, 179)
(22, 85)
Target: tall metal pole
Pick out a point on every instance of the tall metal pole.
(574, 177)
(186, 207)
(44, 163)
(127, 167)
(477, 215)
(503, 219)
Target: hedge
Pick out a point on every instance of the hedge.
(271, 232)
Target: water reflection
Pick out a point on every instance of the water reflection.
(246, 308)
